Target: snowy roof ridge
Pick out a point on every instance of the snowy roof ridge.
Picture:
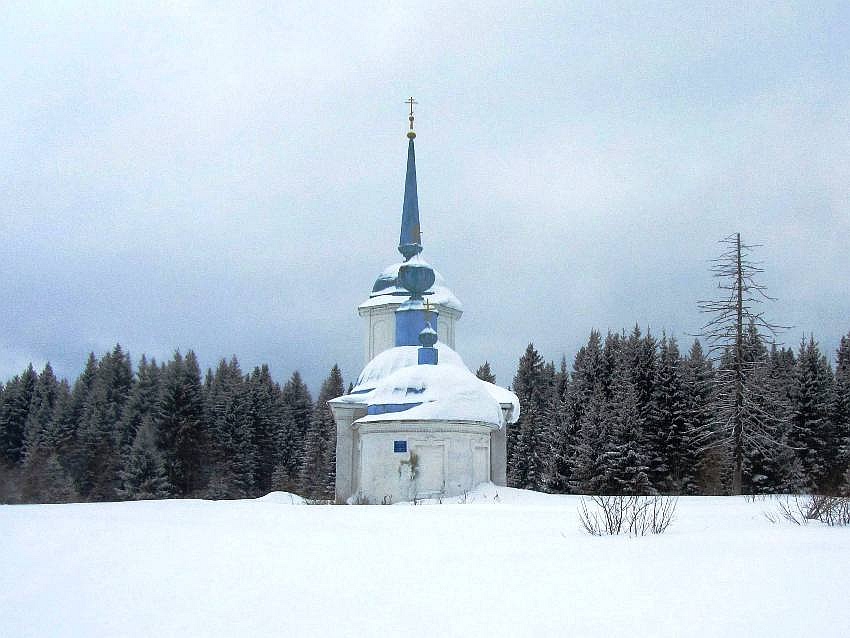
(446, 391)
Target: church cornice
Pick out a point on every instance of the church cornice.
(413, 425)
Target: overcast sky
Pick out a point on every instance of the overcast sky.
(228, 177)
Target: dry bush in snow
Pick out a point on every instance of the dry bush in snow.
(829, 510)
(633, 515)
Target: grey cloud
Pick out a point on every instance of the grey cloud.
(229, 178)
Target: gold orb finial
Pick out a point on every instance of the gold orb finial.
(411, 133)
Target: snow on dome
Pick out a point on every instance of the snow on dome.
(448, 389)
(387, 290)
(399, 357)
(450, 393)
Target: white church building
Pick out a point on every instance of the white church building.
(418, 423)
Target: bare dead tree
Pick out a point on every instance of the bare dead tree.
(741, 418)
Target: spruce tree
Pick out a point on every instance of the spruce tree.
(99, 432)
(45, 480)
(592, 455)
(698, 384)
(811, 434)
(841, 411)
(14, 412)
(72, 419)
(42, 482)
(772, 467)
(241, 460)
(528, 438)
(582, 436)
(532, 452)
(64, 429)
(141, 402)
(639, 362)
(266, 414)
(611, 363)
(558, 469)
(144, 475)
(318, 466)
(296, 412)
(588, 377)
(39, 423)
(221, 391)
(485, 373)
(624, 460)
(180, 424)
(672, 455)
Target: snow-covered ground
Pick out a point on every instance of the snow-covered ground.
(517, 567)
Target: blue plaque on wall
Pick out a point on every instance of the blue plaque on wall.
(399, 446)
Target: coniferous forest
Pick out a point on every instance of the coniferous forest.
(632, 415)
(163, 430)
(636, 416)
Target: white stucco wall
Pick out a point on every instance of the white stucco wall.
(347, 447)
(443, 458)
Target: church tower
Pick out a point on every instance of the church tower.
(418, 423)
(379, 310)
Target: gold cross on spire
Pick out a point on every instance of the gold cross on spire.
(411, 133)
(428, 307)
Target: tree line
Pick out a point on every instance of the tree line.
(164, 430)
(635, 416)
(632, 415)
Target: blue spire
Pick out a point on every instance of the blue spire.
(410, 242)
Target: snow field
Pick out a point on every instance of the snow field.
(517, 567)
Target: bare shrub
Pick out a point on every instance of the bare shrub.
(829, 510)
(838, 512)
(652, 514)
(605, 518)
(633, 515)
(793, 511)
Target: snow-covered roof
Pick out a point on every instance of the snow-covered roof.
(388, 361)
(446, 391)
(443, 393)
(387, 290)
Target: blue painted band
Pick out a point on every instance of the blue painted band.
(385, 408)
(427, 356)
(408, 324)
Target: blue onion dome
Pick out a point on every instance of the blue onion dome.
(387, 289)
(388, 283)
(416, 276)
